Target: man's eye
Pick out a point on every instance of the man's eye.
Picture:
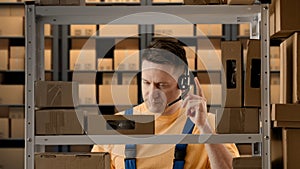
(146, 82)
(162, 85)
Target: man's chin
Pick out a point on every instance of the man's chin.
(156, 109)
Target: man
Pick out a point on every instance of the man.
(165, 89)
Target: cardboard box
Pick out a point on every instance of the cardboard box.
(105, 64)
(286, 124)
(11, 26)
(118, 94)
(80, 148)
(56, 94)
(120, 124)
(209, 77)
(3, 59)
(247, 162)
(209, 60)
(127, 44)
(275, 64)
(129, 79)
(59, 121)
(16, 113)
(4, 10)
(291, 152)
(48, 59)
(4, 111)
(12, 94)
(100, 160)
(87, 94)
(118, 30)
(252, 86)
(275, 88)
(16, 10)
(286, 112)
(17, 52)
(83, 30)
(183, 30)
(244, 148)
(7, 154)
(244, 29)
(82, 59)
(126, 59)
(48, 2)
(4, 128)
(276, 148)
(17, 128)
(47, 29)
(233, 66)
(296, 67)
(274, 51)
(109, 78)
(237, 120)
(286, 71)
(202, 2)
(72, 2)
(212, 93)
(209, 29)
(286, 14)
(16, 64)
(240, 2)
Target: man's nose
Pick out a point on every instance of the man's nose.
(153, 91)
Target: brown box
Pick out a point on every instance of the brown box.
(296, 67)
(12, 94)
(105, 64)
(253, 79)
(4, 111)
(118, 94)
(48, 2)
(17, 128)
(212, 93)
(3, 59)
(16, 63)
(83, 30)
(17, 52)
(127, 44)
(129, 79)
(209, 29)
(244, 148)
(56, 94)
(4, 128)
(11, 26)
(87, 94)
(59, 121)
(100, 160)
(16, 10)
(48, 59)
(109, 78)
(82, 59)
(285, 14)
(233, 65)
(12, 158)
(80, 148)
(286, 112)
(72, 2)
(244, 29)
(111, 30)
(120, 124)
(237, 120)
(240, 2)
(182, 30)
(209, 59)
(291, 153)
(47, 29)
(286, 71)
(275, 88)
(209, 78)
(16, 113)
(247, 162)
(126, 59)
(276, 148)
(4, 10)
(202, 2)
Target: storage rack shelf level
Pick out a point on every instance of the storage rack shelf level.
(37, 16)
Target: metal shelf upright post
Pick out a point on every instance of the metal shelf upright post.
(37, 16)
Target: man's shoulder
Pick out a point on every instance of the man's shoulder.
(138, 109)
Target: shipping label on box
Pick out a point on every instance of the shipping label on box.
(82, 59)
(252, 86)
(56, 94)
(296, 68)
(11, 26)
(237, 120)
(105, 64)
(120, 124)
(4, 128)
(183, 30)
(209, 29)
(87, 94)
(16, 64)
(17, 128)
(12, 94)
(118, 94)
(109, 78)
(3, 59)
(59, 121)
(126, 59)
(209, 60)
(63, 160)
(83, 30)
(232, 82)
(17, 52)
(118, 30)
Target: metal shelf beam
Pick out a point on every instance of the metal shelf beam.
(147, 139)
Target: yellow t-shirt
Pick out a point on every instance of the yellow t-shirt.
(160, 156)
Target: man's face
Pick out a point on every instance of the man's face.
(159, 85)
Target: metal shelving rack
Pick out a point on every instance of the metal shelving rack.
(37, 16)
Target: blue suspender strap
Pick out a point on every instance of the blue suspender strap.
(180, 149)
(130, 150)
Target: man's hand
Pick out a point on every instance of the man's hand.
(196, 108)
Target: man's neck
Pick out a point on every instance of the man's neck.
(172, 109)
